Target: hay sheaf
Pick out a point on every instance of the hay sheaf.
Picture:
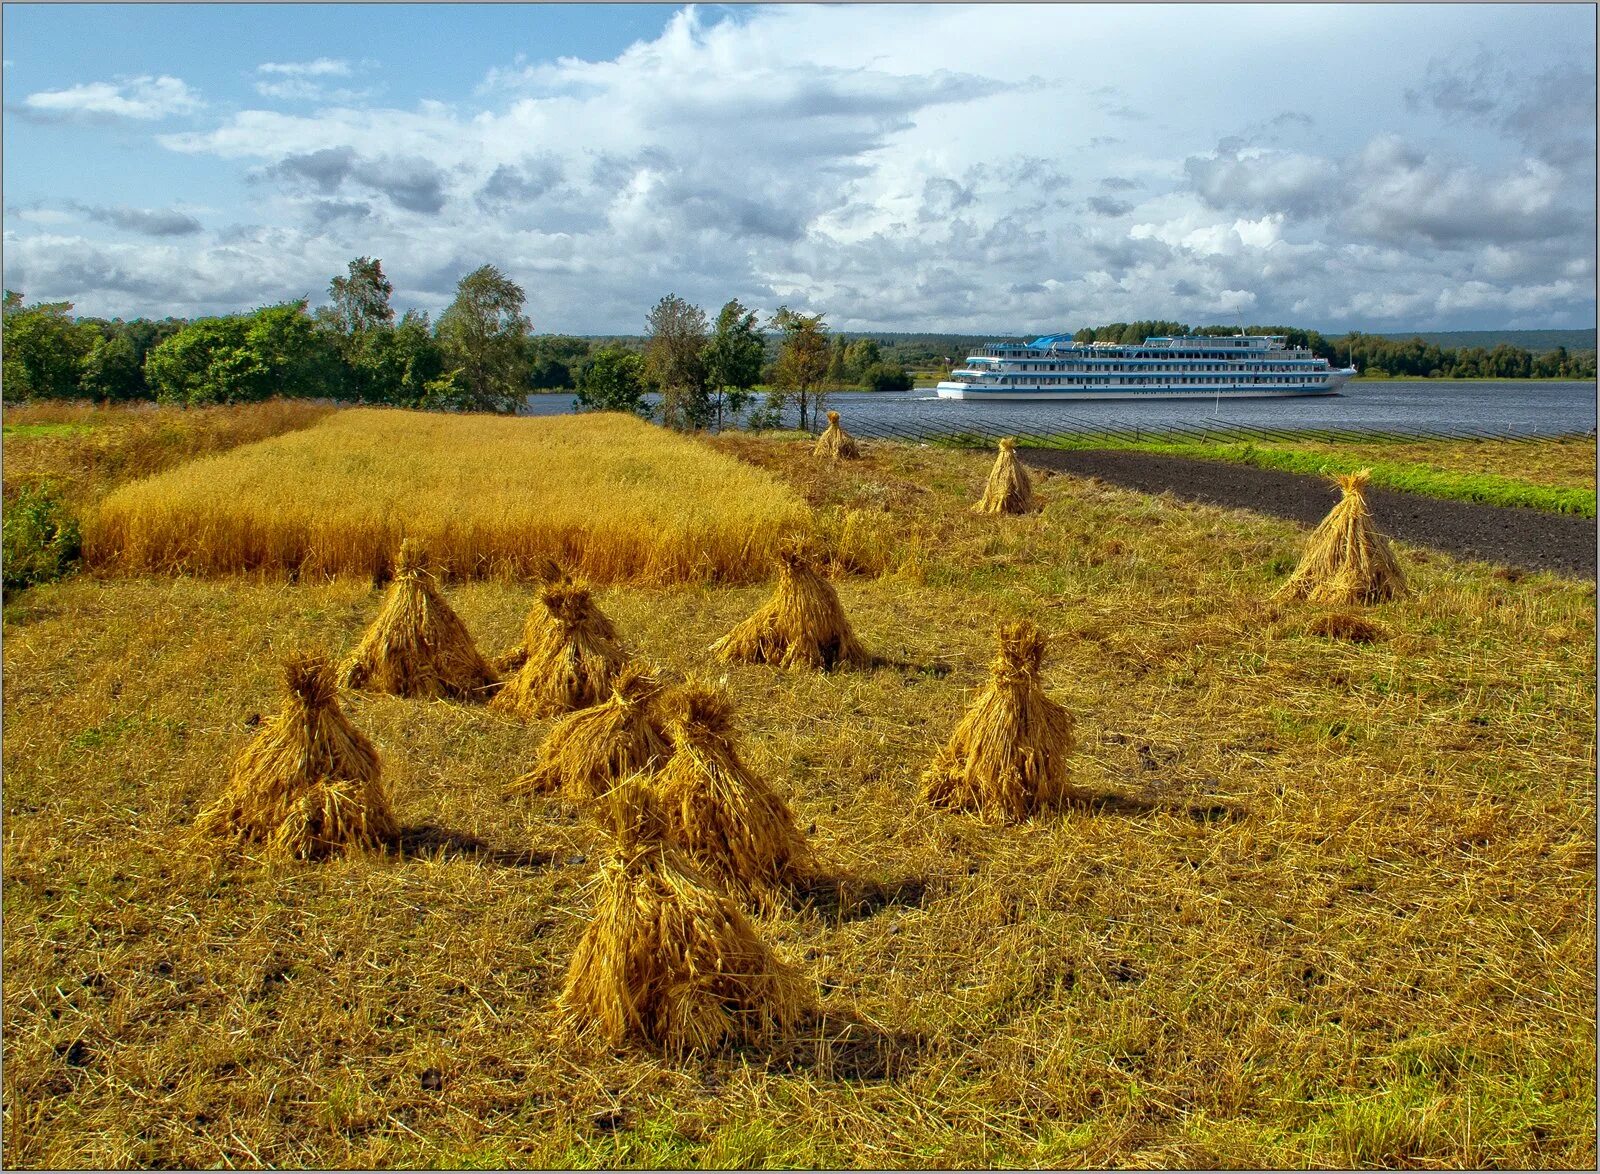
(1009, 489)
(728, 820)
(1008, 755)
(417, 647)
(546, 571)
(668, 961)
(835, 442)
(309, 783)
(587, 753)
(572, 655)
(802, 624)
(1346, 560)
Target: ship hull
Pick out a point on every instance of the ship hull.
(970, 391)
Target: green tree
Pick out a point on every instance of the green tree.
(674, 361)
(860, 355)
(44, 349)
(802, 363)
(484, 336)
(733, 358)
(111, 371)
(886, 377)
(361, 297)
(244, 357)
(613, 381)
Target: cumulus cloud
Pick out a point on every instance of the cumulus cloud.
(865, 162)
(144, 99)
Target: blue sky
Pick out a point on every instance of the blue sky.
(901, 168)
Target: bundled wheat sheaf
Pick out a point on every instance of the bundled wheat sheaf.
(1008, 755)
(669, 961)
(1346, 560)
(727, 819)
(572, 656)
(545, 571)
(417, 646)
(1009, 490)
(835, 442)
(587, 753)
(802, 624)
(308, 784)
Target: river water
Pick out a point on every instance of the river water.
(1522, 407)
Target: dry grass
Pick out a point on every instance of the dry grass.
(1346, 559)
(607, 495)
(1341, 912)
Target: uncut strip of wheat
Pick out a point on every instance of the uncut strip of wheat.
(608, 496)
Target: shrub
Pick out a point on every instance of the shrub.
(41, 538)
(886, 377)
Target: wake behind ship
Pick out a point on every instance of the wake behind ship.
(1231, 367)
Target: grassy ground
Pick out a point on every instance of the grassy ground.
(1556, 475)
(1335, 906)
(609, 495)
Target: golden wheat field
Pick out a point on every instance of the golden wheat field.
(610, 496)
(1320, 902)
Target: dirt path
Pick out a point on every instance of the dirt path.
(1532, 539)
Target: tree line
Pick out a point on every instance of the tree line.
(480, 355)
(1374, 355)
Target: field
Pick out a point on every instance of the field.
(489, 496)
(1323, 903)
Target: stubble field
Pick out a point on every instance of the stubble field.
(1322, 903)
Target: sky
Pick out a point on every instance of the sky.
(962, 168)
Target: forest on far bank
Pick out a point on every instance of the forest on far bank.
(482, 354)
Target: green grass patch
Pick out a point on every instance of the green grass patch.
(41, 431)
(1408, 476)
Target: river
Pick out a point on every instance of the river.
(1518, 407)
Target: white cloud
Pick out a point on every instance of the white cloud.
(143, 98)
(891, 166)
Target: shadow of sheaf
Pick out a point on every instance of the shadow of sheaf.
(430, 840)
(840, 897)
(1116, 803)
(843, 1045)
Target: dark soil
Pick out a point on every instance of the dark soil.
(1533, 540)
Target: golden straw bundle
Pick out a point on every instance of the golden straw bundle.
(573, 653)
(802, 624)
(728, 820)
(546, 571)
(418, 646)
(1009, 490)
(1008, 755)
(308, 783)
(1346, 560)
(586, 753)
(835, 442)
(667, 960)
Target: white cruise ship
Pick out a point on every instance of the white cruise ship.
(1230, 367)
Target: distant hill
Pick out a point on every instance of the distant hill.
(1537, 341)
